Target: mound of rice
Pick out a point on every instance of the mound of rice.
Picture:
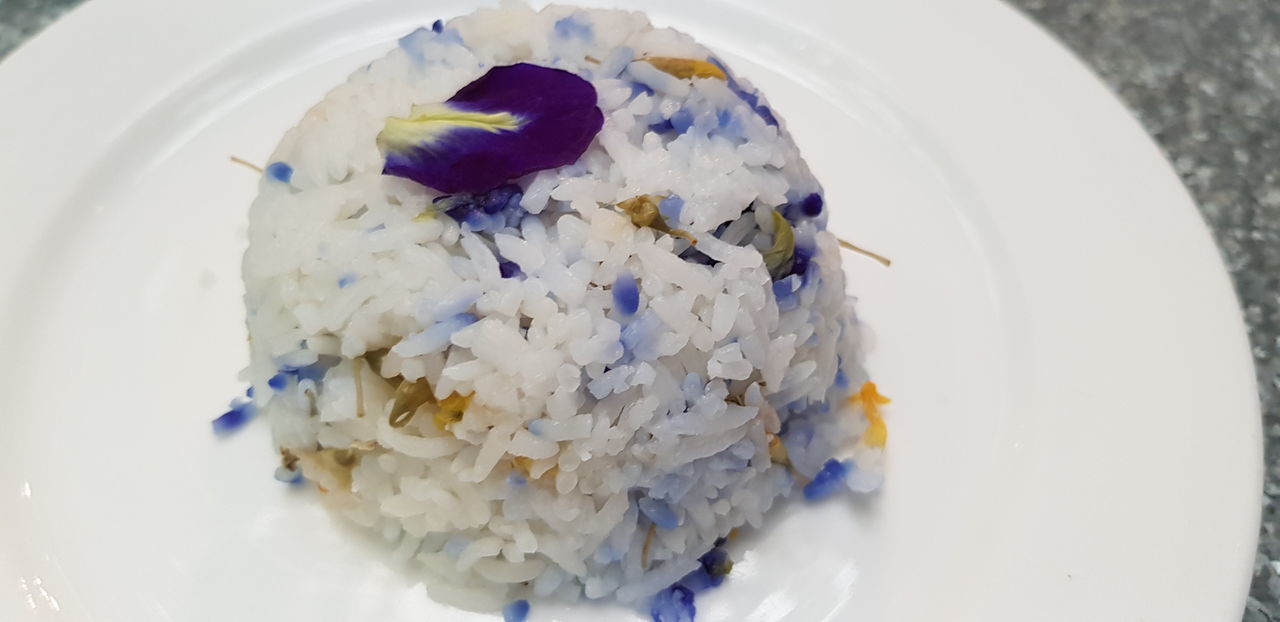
(585, 438)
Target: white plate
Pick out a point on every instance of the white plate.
(1074, 436)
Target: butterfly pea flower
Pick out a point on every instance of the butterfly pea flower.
(512, 121)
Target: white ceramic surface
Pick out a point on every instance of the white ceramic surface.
(1074, 436)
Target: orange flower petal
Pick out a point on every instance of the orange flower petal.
(685, 68)
(870, 399)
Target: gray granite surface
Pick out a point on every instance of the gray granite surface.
(1203, 76)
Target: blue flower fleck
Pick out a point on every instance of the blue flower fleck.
(517, 611)
(279, 381)
(313, 372)
(698, 580)
(811, 206)
(661, 126)
(572, 27)
(674, 604)
(435, 337)
(487, 211)
(682, 120)
(509, 269)
(811, 275)
(695, 256)
(626, 294)
(240, 413)
(716, 563)
(729, 125)
(280, 172)
(800, 259)
(828, 479)
(786, 287)
(658, 512)
(437, 26)
(347, 279)
(638, 88)
(751, 98)
(513, 120)
(502, 198)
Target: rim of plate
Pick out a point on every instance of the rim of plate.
(998, 69)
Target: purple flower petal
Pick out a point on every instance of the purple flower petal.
(514, 120)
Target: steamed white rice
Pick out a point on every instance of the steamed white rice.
(583, 425)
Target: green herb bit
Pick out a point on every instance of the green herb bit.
(246, 163)
(288, 459)
(409, 397)
(451, 410)
(862, 251)
(336, 463)
(721, 566)
(375, 357)
(779, 256)
(643, 211)
(648, 541)
(358, 380)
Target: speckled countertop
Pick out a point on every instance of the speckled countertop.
(1203, 76)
